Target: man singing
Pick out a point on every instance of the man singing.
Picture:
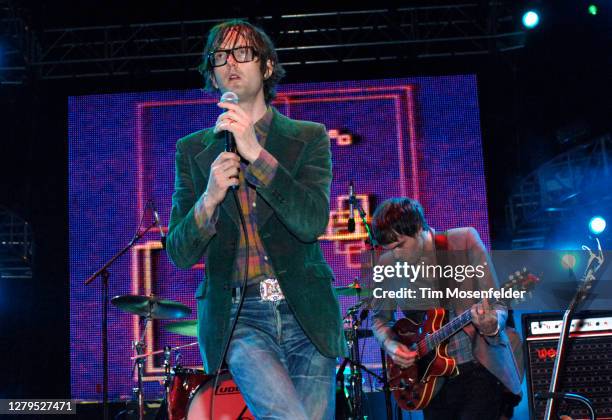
(289, 330)
(481, 350)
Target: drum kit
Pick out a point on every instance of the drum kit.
(188, 392)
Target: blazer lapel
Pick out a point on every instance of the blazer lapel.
(284, 144)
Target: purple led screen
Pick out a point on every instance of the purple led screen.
(417, 136)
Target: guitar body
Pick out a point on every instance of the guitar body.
(414, 387)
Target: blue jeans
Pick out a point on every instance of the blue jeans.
(280, 373)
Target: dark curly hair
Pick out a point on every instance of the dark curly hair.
(256, 38)
(398, 215)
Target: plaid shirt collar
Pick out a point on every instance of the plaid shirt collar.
(262, 127)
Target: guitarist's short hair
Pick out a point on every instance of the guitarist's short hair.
(398, 215)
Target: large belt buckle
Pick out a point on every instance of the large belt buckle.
(270, 290)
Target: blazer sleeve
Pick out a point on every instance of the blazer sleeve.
(186, 242)
(301, 201)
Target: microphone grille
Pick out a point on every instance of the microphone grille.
(229, 96)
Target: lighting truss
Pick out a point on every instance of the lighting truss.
(360, 35)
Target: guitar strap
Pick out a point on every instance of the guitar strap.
(443, 259)
(441, 240)
(441, 249)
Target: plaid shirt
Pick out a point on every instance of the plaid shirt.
(460, 344)
(259, 173)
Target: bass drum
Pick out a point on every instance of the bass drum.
(183, 386)
(229, 404)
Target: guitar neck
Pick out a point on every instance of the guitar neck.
(431, 341)
(521, 280)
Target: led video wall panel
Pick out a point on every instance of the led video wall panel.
(418, 137)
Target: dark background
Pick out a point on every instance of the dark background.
(561, 76)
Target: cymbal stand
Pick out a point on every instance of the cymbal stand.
(140, 346)
(167, 369)
(103, 272)
(355, 378)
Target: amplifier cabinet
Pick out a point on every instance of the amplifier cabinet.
(587, 369)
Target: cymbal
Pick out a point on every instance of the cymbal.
(353, 289)
(151, 307)
(186, 328)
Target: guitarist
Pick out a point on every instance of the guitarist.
(485, 363)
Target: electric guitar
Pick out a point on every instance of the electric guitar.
(413, 387)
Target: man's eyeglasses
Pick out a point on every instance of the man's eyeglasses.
(241, 54)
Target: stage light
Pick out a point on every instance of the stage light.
(531, 18)
(597, 225)
(593, 9)
(568, 261)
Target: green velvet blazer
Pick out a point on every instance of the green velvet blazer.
(292, 213)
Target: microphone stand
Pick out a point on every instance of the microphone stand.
(103, 272)
(372, 247)
(593, 265)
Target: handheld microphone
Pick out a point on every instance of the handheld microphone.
(230, 142)
(162, 234)
(351, 220)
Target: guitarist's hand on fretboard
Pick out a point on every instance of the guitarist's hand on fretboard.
(399, 353)
(484, 318)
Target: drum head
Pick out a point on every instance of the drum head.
(229, 404)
